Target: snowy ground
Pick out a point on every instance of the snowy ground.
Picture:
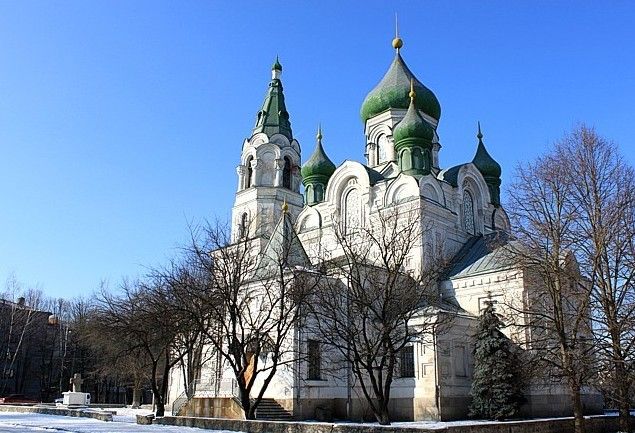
(123, 422)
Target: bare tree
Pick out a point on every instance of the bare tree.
(111, 359)
(375, 299)
(556, 309)
(603, 192)
(144, 319)
(182, 279)
(248, 301)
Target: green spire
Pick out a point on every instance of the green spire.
(316, 173)
(277, 66)
(489, 168)
(483, 160)
(273, 118)
(392, 91)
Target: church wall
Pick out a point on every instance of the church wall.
(455, 367)
(503, 287)
(175, 387)
(508, 288)
(282, 385)
(554, 400)
(263, 207)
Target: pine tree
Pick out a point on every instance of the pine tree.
(496, 385)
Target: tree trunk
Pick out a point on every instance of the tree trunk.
(382, 415)
(136, 396)
(245, 402)
(624, 421)
(623, 402)
(578, 412)
(162, 393)
(160, 406)
(158, 396)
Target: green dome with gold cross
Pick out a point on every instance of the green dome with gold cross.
(412, 128)
(393, 90)
(318, 164)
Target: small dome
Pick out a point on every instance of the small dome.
(484, 161)
(277, 66)
(318, 164)
(392, 92)
(412, 126)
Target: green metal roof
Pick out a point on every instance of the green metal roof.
(451, 175)
(373, 175)
(277, 66)
(318, 164)
(392, 92)
(412, 127)
(284, 248)
(484, 161)
(483, 254)
(273, 118)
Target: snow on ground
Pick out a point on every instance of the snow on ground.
(125, 422)
(126, 414)
(14, 422)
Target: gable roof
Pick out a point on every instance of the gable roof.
(284, 247)
(373, 175)
(451, 175)
(482, 254)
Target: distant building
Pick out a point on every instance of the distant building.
(25, 363)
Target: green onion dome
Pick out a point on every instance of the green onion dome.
(318, 165)
(484, 161)
(277, 66)
(392, 92)
(412, 127)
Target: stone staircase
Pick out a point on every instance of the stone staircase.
(270, 409)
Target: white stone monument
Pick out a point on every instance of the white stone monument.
(75, 397)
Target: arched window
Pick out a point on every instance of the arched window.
(406, 160)
(425, 164)
(319, 192)
(309, 194)
(468, 212)
(382, 149)
(286, 173)
(351, 211)
(242, 228)
(250, 172)
(417, 159)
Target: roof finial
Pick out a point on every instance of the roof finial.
(480, 134)
(319, 133)
(397, 43)
(412, 93)
(285, 206)
(277, 66)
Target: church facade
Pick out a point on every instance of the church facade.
(400, 168)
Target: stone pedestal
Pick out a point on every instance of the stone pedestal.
(76, 398)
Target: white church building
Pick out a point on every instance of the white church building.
(400, 166)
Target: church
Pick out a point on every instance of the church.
(400, 167)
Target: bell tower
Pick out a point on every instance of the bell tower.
(269, 169)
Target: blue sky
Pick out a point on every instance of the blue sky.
(122, 121)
